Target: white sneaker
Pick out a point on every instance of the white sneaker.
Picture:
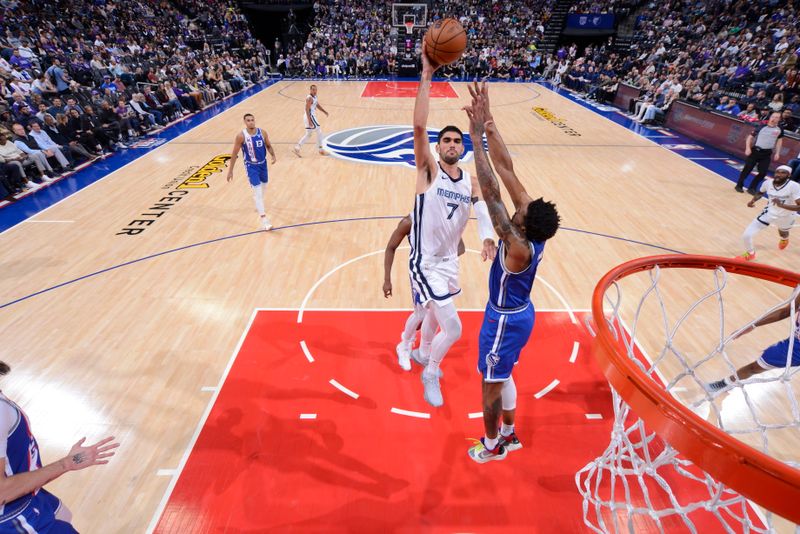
(266, 224)
(32, 185)
(46, 179)
(297, 152)
(416, 355)
(433, 392)
(403, 355)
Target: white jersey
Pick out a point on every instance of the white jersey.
(788, 193)
(440, 216)
(313, 112)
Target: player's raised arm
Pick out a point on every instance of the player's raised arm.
(422, 149)
(518, 251)
(498, 150)
(237, 147)
(400, 233)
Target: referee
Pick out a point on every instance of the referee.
(763, 143)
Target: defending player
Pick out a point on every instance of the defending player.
(509, 317)
(254, 143)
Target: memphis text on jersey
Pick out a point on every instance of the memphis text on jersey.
(197, 180)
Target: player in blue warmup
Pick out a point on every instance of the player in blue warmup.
(25, 506)
(254, 144)
(509, 316)
(773, 357)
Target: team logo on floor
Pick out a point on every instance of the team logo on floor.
(383, 145)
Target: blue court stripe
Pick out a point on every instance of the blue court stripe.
(299, 225)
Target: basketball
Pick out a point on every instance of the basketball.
(446, 40)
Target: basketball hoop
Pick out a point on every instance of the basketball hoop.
(409, 24)
(659, 445)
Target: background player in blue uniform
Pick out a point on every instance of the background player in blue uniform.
(775, 356)
(24, 505)
(254, 144)
(509, 317)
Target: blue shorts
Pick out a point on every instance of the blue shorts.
(501, 339)
(39, 516)
(257, 174)
(775, 355)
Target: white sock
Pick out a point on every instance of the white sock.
(506, 430)
(490, 443)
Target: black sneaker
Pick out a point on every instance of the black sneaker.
(752, 191)
(510, 442)
(739, 189)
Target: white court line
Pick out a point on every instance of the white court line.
(343, 389)
(475, 415)
(200, 424)
(722, 159)
(574, 356)
(552, 310)
(308, 416)
(419, 415)
(165, 472)
(208, 388)
(309, 357)
(594, 416)
(548, 389)
(54, 222)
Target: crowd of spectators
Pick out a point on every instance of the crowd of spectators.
(738, 57)
(84, 78)
(358, 39)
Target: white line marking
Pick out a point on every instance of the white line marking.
(475, 415)
(695, 159)
(208, 388)
(308, 416)
(343, 389)
(309, 357)
(574, 356)
(200, 424)
(165, 472)
(325, 277)
(419, 415)
(62, 222)
(594, 416)
(548, 389)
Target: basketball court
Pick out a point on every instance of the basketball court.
(250, 376)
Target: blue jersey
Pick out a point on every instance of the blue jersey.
(254, 148)
(512, 291)
(22, 454)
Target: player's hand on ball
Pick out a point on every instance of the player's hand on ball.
(489, 250)
(387, 289)
(428, 66)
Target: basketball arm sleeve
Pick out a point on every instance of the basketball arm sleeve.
(485, 226)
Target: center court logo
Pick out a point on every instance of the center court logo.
(383, 145)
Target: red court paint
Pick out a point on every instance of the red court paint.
(358, 467)
(406, 90)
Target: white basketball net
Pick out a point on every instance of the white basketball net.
(640, 483)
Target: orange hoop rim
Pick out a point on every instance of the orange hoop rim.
(752, 473)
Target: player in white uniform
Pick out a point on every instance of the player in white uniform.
(415, 320)
(310, 121)
(781, 211)
(444, 194)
